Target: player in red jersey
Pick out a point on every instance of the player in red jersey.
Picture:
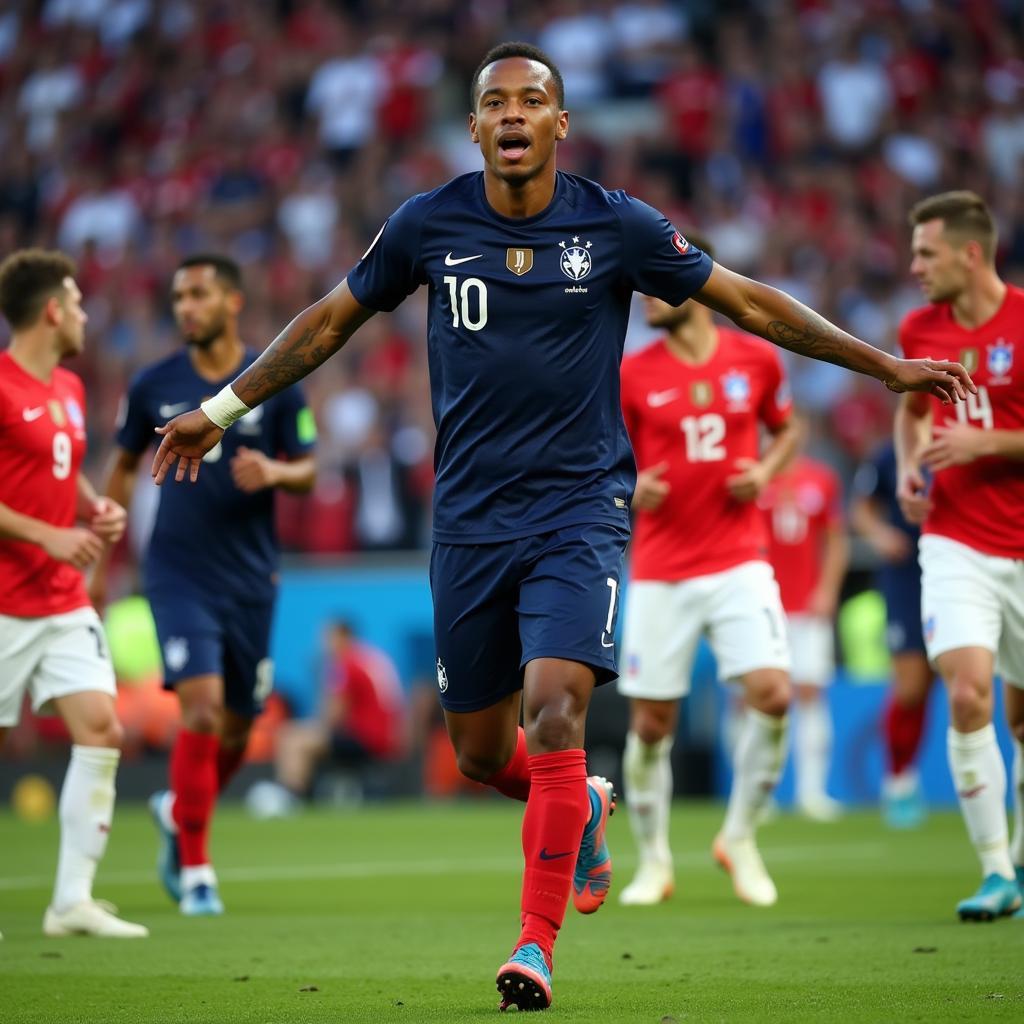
(694, 404)
(810, 554)
(962, 477)
(53, 525)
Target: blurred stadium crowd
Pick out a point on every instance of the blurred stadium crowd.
(793, 133)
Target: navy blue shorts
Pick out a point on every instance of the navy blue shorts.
(499, 606)
(209, 634)
(901, 589)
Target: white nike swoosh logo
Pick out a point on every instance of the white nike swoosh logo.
(604, 643)
(173, 410)
(33, 414)
(449, 262)
(656, 398)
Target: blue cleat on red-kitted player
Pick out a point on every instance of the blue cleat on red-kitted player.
(593, 875)
(524, 980)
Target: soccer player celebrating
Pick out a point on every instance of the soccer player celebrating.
(875, 514)
(52, 525)
(212, 601)
(810, 553)
(694, 403)
(530, 273)
(972, 511)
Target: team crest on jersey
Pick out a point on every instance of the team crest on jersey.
(56, 412)
(1000, 361)
(969, 358)
(176, 653)
(736, 388)
(442, 676)
(701, 393)
(519, 261)
(74, 411)
(575, 260)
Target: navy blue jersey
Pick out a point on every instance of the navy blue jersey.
(877, 479)
(210, 530)
(526, 324)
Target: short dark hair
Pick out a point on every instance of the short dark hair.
(226, 269)
(28, 278)
(503, 51)
(965, 216)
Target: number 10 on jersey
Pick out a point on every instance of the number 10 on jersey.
(472, 292)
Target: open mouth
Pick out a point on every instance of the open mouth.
(512, 145)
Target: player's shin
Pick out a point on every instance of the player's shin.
(194, 782)
(556, 814)
(514, 779)
(647, 773)
(757, 765)
(86, 814)
(904, 725)
(979, 775)
(812, 742)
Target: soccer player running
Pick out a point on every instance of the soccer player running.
(694, 403)
(530, 273)
(810, 553)
(972, 511)
(876, 515)
(52, 526)
(211, 564)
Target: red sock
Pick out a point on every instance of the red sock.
(903, 728)
(556, 814)
(194, 783)
(514, 779)
(229, 760)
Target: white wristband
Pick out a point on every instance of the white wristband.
(225, 407)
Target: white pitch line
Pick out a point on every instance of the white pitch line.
(388, 869)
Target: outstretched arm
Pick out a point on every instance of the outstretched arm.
(774, 315)
(309, 340)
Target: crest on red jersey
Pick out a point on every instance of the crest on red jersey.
(736, 388)
(56, 412)
(1000, 361)
(969, 357)
(701, 393)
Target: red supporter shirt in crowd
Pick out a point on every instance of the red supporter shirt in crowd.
(801, 505)
(42, 444)
(366, 682)
(980, 504)
(699, 419)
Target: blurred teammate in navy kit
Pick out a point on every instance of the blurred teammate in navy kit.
(529, 273)
(210, 569)
(875, 514)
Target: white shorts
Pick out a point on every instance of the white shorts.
(812, 650)
(51, 657)
(739, 610)
(969, 599)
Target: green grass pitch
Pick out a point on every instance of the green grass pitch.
(404, 912)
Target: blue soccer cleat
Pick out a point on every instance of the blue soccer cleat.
(593, 875)
(996, 897)
(168, 861)
(903, 806)
(201, 900)
(525, 980)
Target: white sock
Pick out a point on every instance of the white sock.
(757, 765)
(812, 743)
(86, 814)
(1017, 844)
(647, 773)
(980, 779)
(197, 874)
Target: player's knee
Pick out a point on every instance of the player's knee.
(476, 766)
(968, 701)
(650, 729)
(104, 731)
(202, 717)
(770, 692)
